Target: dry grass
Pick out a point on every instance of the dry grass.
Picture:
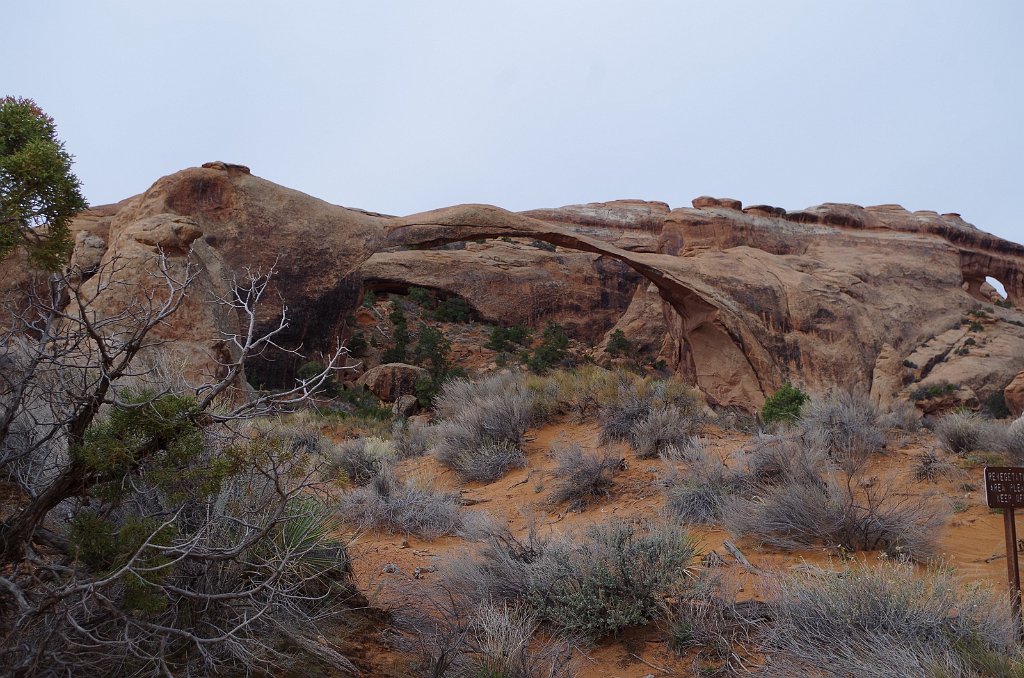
(963, 432)
(482, 425)
(662, 428)
(903, 416)
(578, 392)
(886, 620)
(361, 460)
(581, 477)
(698, 494)
(1014, 439)
(411, 439)
(630, 414)
(845, 426)
(405, 507)
(932, 466)
(836, 514)
(487, 463)
(590, 584)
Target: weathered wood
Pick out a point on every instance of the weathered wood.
(735, 552)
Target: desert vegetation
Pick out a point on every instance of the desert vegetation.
(310, 487)
(594, 584)
(177, 503)
(151, 526)
(248, 432)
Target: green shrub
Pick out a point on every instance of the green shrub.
(910, 364)
(552, 349)
(432, 350)
(504, 339)
(452, 310)
(357, 345)
(361, 402)
(932, 391)
(784, 405)
(995, 405)
(422, 297)
(400, 337)
(329, 388)
(612, 579)
(977, 327)
(619, 345)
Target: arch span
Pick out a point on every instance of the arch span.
(698, 310)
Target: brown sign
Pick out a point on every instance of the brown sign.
(1004, 486)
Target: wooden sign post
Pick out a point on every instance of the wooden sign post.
(1004, 488)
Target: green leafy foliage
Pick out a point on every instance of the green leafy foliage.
(932, 391)
(399, 337)
(784, 405)
(360, 402)
(432, 350)
(357, 344)
(552, 349)
(163, 430)
(995, 405)
(104, 546)
(39, 194)
(422, 297)
(452, 310)
(505, 339)
(618, 344)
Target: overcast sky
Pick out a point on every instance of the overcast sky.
(400, 107)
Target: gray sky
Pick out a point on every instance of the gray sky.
(401, 107)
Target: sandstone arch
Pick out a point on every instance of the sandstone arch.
(834, 294)
(721, 336)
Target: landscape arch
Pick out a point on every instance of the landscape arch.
(709, 335)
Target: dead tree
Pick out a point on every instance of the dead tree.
(149, 526)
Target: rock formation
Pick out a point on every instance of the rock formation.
(736, 300)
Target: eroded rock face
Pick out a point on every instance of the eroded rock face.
(746, 298)
(509, 283)
(643, 323)
(1014, 395)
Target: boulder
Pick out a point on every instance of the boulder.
(405, 406)
(706, 201)
(1014, 395)
(391, 381)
